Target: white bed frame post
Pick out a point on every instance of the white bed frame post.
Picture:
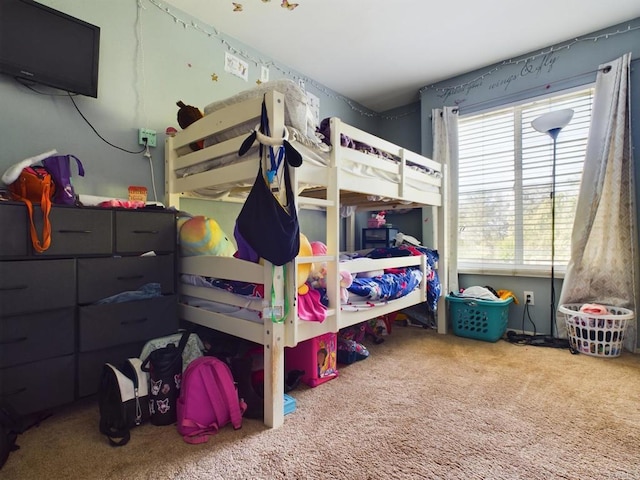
(274, 340)
(333, 226)
(439, 231)
(274, 348)
(170, 157)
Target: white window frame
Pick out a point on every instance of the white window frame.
(525, 141)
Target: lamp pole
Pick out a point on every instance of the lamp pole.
(551, 123)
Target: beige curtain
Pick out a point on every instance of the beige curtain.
(445, 150)
(604, 246)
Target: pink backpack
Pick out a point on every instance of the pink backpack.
(208, 400)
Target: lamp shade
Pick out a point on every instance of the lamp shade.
(553, 120)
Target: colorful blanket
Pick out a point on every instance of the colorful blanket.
(434, 288)
(387, 286)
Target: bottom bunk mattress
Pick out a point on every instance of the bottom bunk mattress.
(366, 290)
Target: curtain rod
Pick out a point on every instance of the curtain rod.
(518, 94)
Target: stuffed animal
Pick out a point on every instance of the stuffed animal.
(201, 235)
(319, 272)
(304, 269)
(187, 114)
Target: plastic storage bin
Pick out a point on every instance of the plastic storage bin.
(597, 335)
(479, 319)
(289, 404)
(317, 357)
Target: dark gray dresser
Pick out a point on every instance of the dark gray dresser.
(54, 337)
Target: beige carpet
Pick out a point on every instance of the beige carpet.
(423, 406)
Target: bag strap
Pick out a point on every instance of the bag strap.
(202, 432)
(237, 407)
(80, 167)
(117, 436)
(45, 206)
(185, 337)
(180, 348)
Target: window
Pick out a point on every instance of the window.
(506, 182)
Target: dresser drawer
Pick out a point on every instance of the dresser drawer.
(100, 278)
(13, 236)
(36, 285)
(103, 326)
(139, 232)
(36, 336)
(78, 231)
(36, 386)
(90, 364)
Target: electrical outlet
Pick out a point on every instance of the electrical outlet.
(528, 298)
(149, 134)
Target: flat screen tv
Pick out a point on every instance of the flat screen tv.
(45, 46)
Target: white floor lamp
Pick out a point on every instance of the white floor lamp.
(551, 123)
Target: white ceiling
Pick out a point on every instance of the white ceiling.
(381, 52)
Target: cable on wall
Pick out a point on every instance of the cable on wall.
(96, 131)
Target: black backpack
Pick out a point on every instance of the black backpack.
(13, 424)
(123, 400)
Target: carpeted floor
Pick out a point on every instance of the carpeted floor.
(423, 406)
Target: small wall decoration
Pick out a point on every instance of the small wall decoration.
(238, 7)
(235, 66)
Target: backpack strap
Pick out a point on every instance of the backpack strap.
(80, 167)
(224, 379)
(201, 432)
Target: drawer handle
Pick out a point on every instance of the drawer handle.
(153, 232)
(16, 287)
(13, 340)
(130, 277)
(75, 231)
(134, 321)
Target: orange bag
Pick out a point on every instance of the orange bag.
(35, 186)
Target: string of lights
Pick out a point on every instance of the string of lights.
(213, 33)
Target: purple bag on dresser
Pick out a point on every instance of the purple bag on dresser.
(59, 166)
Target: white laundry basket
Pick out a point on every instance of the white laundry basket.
(597, 335)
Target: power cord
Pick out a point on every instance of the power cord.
(100, 136)
(535, 340)
(147, 155)
(525, 312)
(70, 95)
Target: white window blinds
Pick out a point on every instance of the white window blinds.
(506, 181)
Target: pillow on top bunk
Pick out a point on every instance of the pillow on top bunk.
(201, 235)
(295, 105)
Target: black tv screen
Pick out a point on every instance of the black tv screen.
(49, 47)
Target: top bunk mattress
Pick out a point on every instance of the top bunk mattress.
(313, 144)
(296, 111)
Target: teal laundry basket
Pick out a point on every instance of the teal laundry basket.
(479, 319)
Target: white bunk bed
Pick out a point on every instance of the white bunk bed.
(324, 181)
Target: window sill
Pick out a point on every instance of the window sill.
(535, 272)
